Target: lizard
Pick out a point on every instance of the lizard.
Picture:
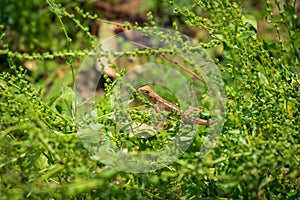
(163, 104)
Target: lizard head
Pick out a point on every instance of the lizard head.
(147, 92)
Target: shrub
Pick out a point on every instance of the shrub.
(257, 153)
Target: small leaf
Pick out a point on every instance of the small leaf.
(62, 101)
(251, 20)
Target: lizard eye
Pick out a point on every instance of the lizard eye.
(146, 92)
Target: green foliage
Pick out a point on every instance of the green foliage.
(257, 154)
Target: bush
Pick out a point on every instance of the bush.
(257, 153)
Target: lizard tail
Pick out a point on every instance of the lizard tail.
(196, 120)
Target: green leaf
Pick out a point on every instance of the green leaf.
(62, 101)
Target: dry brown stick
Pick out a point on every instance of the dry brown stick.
(190, 72)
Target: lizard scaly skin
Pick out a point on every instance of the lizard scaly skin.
(163, 104)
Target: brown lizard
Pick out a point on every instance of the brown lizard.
(163, 104)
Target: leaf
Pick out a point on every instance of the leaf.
(226, 49)
(62, 101)
(42, 162)
(272, 46)
(250, 19)
(58, 83)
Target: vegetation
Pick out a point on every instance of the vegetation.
(257, 50)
